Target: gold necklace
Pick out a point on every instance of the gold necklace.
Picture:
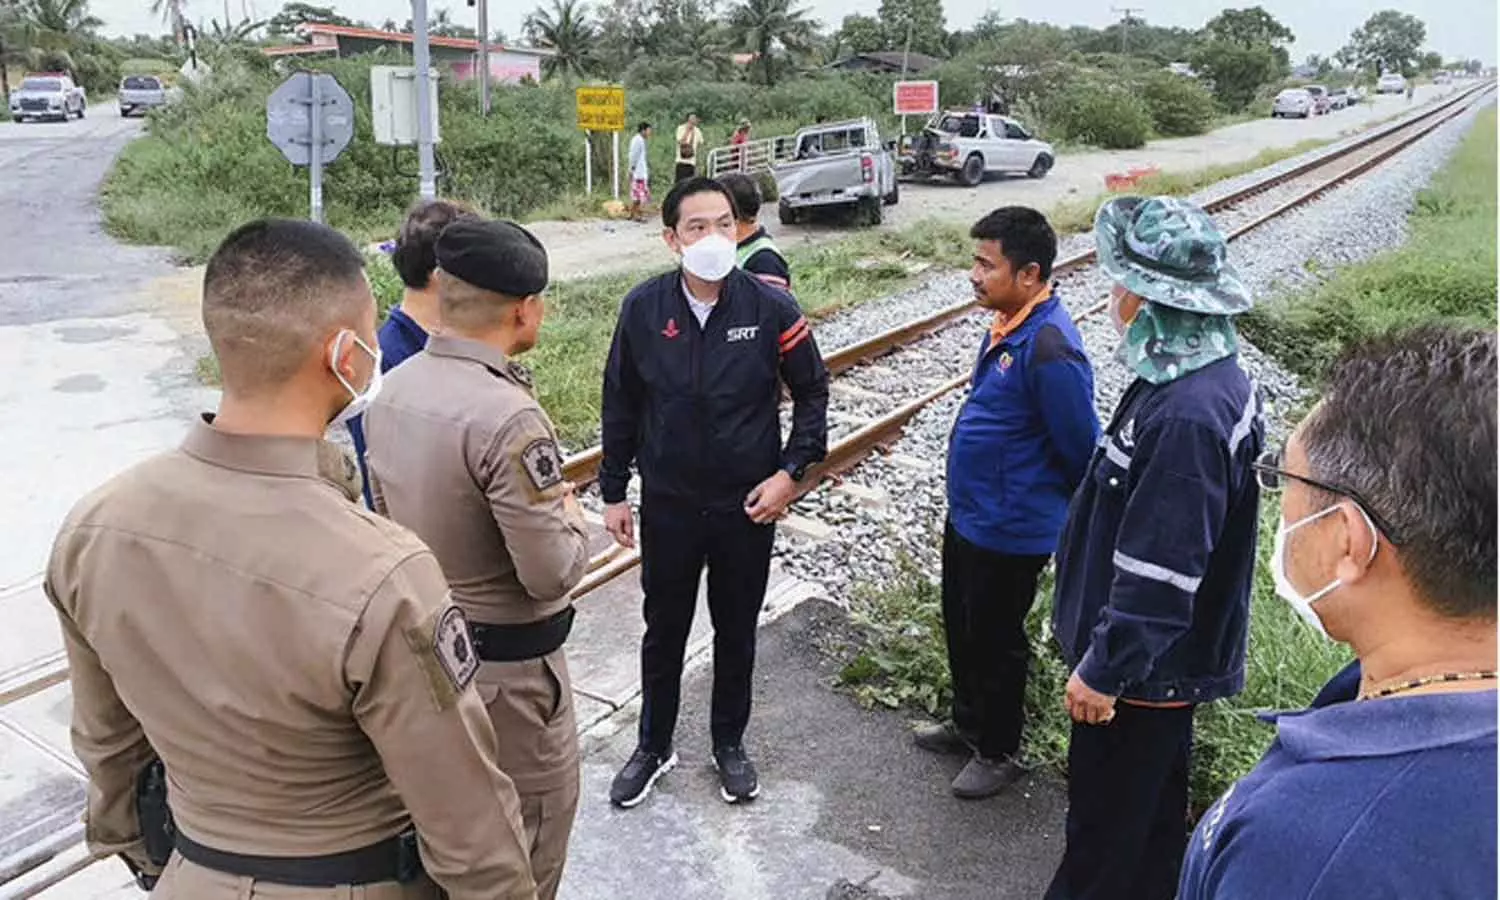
(1445, 678)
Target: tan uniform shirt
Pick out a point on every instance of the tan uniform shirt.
(459, 451)
(292, 658)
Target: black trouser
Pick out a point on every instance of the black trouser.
(686, 171)
(677, 540)
(986, 596)
(1127, 806)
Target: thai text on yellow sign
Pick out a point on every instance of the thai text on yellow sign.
(601, 108)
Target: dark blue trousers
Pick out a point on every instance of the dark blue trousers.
(678, 541)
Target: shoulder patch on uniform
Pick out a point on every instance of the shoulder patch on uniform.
(543, 463)
(446, 654)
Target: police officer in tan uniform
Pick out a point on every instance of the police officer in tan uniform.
(460, 452)
(293, 659)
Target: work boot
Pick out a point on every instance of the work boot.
(942, 738)
(983, 778)
(639, 775)
(738, 782)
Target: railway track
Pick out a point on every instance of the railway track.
(1239, 211)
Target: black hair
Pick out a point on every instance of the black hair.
(642, 128)
(272, 289)
(415, 256)
(671, 208)
(744, 191)
(1408, 423)
(1025, 237)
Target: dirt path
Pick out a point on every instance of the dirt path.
(581, 249)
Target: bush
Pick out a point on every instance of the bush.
(1104, 116)
(1179, 106)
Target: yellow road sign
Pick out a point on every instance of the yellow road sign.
(601, 108)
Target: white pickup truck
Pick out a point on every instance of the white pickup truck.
(969, 145)
(47, 95)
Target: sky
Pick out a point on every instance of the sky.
(1455, 28)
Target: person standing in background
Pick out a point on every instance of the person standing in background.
(463, 455)
(1016, 455)
(640, 171)
(755, 252)
(1385, 787)
(1156, 561)
(689, 142)
(409, 323)
(739, 140)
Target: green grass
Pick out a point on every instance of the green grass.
(1078, 215)
(1445, 272)
(904, 665)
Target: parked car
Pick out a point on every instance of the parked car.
(1292, 103)
(139, 93)
(969, 145)
(1442, 78)
(1339, 97)
(833, 165)
(1391, 83)
(47, 95)
(1321, 102)
(1356, 95)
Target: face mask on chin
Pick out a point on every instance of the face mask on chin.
(1303, 605)
(711, 258)
(359, 401)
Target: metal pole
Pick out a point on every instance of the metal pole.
(316, 109)
(588, 163)
(422, 59)
(484, 57)
(614, 165)
(906, 56)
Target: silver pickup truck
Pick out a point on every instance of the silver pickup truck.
(140, 93)
(838, 164)
(49, 95)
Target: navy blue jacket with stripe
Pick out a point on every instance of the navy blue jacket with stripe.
(697, 408)
(1023, 438)
(1156, 560)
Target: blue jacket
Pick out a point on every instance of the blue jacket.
(1024, 435)
(697, 408)
(1156, 560)
(1380, 800)
(400, 338)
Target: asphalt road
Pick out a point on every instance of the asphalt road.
(56, 261)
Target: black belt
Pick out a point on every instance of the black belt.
(513, 643)
(393, 859)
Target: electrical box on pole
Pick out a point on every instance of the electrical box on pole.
(393, 105)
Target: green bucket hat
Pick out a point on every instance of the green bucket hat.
(1168, 251)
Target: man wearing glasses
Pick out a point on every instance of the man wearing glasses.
(1156, 559)
(1386, 786)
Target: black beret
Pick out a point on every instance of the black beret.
(493, 255)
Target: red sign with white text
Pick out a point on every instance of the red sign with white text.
(916, 98)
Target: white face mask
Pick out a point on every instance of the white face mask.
(1284, 588)
(359, 400)
(712, 258)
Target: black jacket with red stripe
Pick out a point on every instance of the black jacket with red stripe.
(696, 408)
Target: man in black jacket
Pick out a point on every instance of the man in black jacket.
(691, 395)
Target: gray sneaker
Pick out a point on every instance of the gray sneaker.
(942, 738)
(983, 778)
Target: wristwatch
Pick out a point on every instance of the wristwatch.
(797, 471)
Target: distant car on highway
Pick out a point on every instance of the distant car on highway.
(1442, 78)
(1321, 102)
(1339, 97)
(1391, 83)
(1292, 103)
(967, 145)
(1356, 96)
(47, 95)
(139, 93)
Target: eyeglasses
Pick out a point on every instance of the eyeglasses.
(1269, 472)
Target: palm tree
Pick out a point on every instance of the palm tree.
(171, 13)
(763, 24)
(54, 24)
(706, 44)
(564, 29)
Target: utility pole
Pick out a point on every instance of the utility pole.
(421, 52)
(1125, 13)
(483, 67)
